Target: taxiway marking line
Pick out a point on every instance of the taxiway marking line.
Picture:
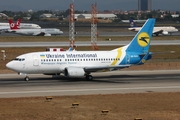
(82, 90)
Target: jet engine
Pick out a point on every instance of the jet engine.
(74, 72)
(47, 34)
(165, 33)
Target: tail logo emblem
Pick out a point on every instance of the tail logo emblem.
(12, 25)
(143, 39)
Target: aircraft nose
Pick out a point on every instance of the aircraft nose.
(10, 65)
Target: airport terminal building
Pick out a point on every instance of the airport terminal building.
(100, 16)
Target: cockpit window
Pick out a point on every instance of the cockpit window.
(19, 59)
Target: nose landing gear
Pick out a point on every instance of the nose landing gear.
(26, 76)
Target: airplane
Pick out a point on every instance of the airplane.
(156, 31)
(33, 32)
(80, 64)
(137, 21)
(22, 25)
(6, 28)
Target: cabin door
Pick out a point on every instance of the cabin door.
(35, 60)
(128, 59)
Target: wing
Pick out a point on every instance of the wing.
(157, 31)
(102, 68)
(39, 34)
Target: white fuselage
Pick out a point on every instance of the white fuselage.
(4, 28)
(56, 62)
(23, 25)
(36, 32)
(166, 30)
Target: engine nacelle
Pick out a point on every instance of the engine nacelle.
(47, 34)
(165, 33)
(74, 72)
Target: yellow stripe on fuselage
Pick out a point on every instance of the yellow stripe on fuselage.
(118, 56)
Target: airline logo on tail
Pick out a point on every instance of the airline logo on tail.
(14, 25)
(132, 23)
(143, 39)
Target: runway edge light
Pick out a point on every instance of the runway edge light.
(75, 104)
(104, 112)
(137, 118)
(49, 98)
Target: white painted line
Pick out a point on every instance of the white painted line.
(82, 90)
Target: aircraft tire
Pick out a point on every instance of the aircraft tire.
(26, 78)
(89, 77)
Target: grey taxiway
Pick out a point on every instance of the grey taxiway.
(13, 85)
(100, 43)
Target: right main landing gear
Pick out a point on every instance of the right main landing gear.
(26, 78)
(89, 77)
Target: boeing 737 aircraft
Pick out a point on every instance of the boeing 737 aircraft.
(33, 32)
(78, 64)
(22, 25)
(156, 31)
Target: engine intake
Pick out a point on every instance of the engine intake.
(165, 33)
(74, 72)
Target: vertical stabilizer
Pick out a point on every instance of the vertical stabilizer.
(142, 39)
(14, 25)
(132, 23)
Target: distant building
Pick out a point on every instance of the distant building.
(47, 16)
(101, 16)
(175, 15)
(30, 11)
(144, 5)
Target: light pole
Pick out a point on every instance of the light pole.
(3, 54)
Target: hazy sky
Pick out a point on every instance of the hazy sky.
(19, 5)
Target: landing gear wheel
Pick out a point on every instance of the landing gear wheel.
(89, 77)
(26, 78)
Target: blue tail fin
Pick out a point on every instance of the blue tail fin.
(132, 23)
(142, 39)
